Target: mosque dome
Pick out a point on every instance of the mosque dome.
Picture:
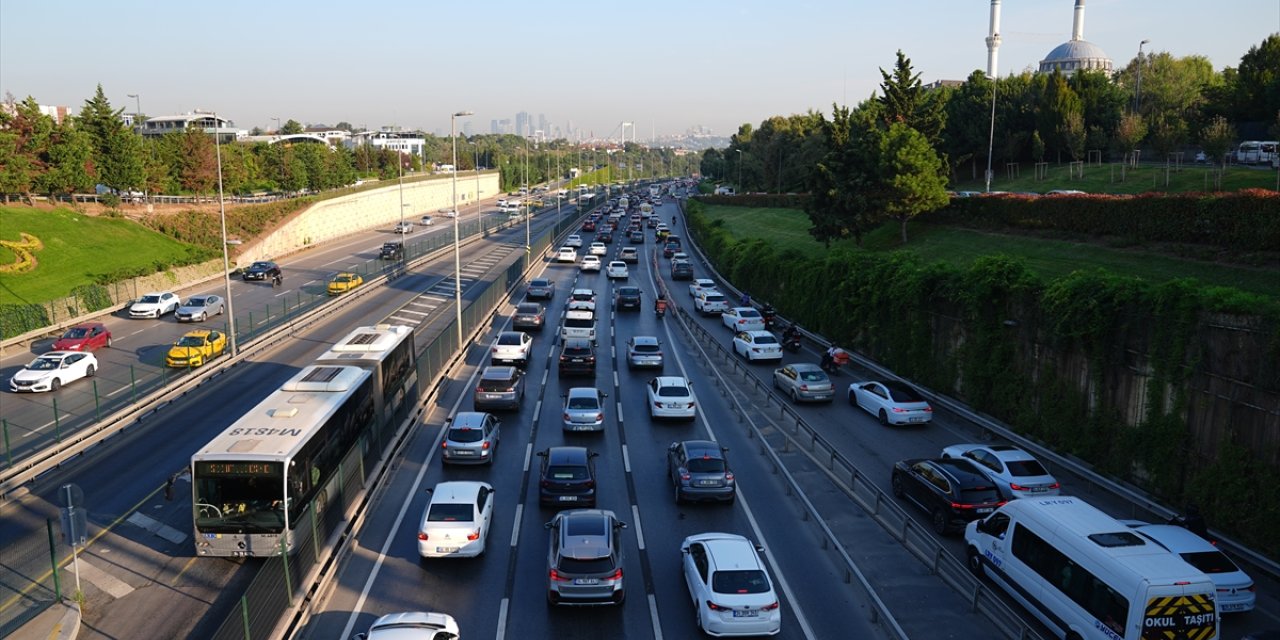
(1073, 55)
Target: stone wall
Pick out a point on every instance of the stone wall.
(379, 208)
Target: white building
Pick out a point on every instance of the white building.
(208, 122)
(408, 142)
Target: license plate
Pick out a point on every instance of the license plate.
(464, 452)
(446, 549)
(822, 396)
(586, 581)
(493, 396)
(746, 614)
(578, 360)
(586, 427)
(1039, 489)
(707, 483)
(1230, 607)
(917, 419)
(984, 510)
(568, 498)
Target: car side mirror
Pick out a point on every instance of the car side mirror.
(542, 454)
(620, 525)
(360, 636)
(549, 525)
(594, 454)
(674, 446)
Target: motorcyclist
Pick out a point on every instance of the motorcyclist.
(660, 305)
(790, 333)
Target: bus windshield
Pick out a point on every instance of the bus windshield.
(239, 497)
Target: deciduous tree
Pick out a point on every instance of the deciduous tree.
(911, 173)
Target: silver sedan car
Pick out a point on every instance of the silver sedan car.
(199, 308)
(804, 381)
(584, 409)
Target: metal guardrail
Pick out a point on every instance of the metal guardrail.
(914, 537)
(1142, 505)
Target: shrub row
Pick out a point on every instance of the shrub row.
(17, 319)
(92, 297)
(1247, 220)
(760, 200)
(980, 333)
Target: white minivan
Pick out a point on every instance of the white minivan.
(579, 323)
(1087, 576)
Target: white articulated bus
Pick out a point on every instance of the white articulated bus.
(1087, 576)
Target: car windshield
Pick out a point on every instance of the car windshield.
(903, 393)
(673, 392)
(150, 299)
(766, 340)
(706, 465)
(628, 291)
(76, 332)
(813, 376)
(446, 512)
(197, 302)
(714, 297)
(527, 308)
(261, 265)
(539, 283)
(745, 581)
(1210, 562)
(583, 403)
(191, 341)
(559, 472)
(466, 434)
(749, 313)
(44, 364)
(577, 351)
(586, 565)
(1025, 468)
(490, 384)
(342, 279)
(583, 295)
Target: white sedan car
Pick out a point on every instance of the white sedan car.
(511, 347)
(591, 263)
(424, 624)
(729, 586)
(1236, 592)
(154, 304)
(456, 521)
(891, 402)
(598, 249)
(757, 345)
(574, 240)
(742, 319)
(616, 270)
(671, 397)
(52, 370)
(698, 285)
(567, 254)
(1010, 467)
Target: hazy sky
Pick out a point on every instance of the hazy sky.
(664, 65)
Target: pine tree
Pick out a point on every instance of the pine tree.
(904, 99)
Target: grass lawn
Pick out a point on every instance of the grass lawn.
(1051, 259)
(1105, 179)
(76, 248)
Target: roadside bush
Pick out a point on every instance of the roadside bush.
(92, 297)
(17, 319)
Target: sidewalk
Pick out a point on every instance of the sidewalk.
(59, 622)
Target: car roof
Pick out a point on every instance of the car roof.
(1008, 452)
(457, 491)
(497, 373)
(411, 625)
(703, 448)
(1176, 539)
(567, 455)
(671, 381)
(801, 367)
(58, 355)
(961, 470)
(468, 419)
(644, 340)
(583, 392)
(577, 343)
(583, 292)
(157, 293)
(199, 333)
(729, 551)
(755, 333)
(528, 306)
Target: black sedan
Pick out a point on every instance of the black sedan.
(261, 270)
(953, 491)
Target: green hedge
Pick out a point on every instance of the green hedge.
(17, 319)
(93, 297)
(967, 332)
(1247, 220)
(760, 200)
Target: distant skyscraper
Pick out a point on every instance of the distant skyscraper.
(522, 124)
(466, 128)
(493, 127)
(542, 123)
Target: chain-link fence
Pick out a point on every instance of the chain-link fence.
(29, 582)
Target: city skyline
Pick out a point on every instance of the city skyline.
(583, 67)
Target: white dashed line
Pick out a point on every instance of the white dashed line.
(515, 531)
(635, 516)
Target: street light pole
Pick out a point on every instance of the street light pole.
(528, 215)
(457, 257)
(1137, 97)
(739, 169)
(226, 261)
(277, 124)
(991, 137)
(400, 164)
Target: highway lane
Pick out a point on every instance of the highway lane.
(503, 592)
(134, 365)
(874, 449)
(142, 540)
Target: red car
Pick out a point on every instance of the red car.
(589, 225)
(89, 336)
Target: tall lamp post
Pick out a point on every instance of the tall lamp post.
(226, 261)
(991, 136)
(739, 169)
(1137, 92)
(457, 257)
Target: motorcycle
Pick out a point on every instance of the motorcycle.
(791, 343)
(660, 310)
(770, 317)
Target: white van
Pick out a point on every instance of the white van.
(1087, 576)
(579, 323)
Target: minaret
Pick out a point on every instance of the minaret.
(1077, 25)
(993, 40)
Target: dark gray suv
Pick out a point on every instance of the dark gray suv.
(584, 562)
(500, 387)
(700, 471)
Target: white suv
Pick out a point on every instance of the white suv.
(729, 585)
(511, 347)
(710, 302)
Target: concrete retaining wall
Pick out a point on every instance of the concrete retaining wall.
(331, 219)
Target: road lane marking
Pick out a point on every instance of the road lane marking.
(626, 459)
(653, 618)
(114, 586)
(515, 531)
(528, 454)
(502, 620)
(635, 515)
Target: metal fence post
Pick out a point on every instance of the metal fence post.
(133, 384)
(57, 423)
(8, 453)
(97, 403)
(53, 560)
(244, 614)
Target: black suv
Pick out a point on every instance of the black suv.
(392, 251)
(261, 270)
(578, 355)
(681, 270)
(567, 477)
(953, 491)
(626, 298)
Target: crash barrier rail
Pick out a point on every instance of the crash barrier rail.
(284, 588)
(1142, 506)
(913, 536)
(20, 567)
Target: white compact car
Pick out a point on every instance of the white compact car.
(456, 521)
(617, 270)
(511, 347)
(567, 254)
(591, 263)
(891, 402)
(1236, 592)
(52, 370)
(1009, 466)
(743, 319)
(699, 285)
(729, 586)
(574, 241)
(757, 345)
(412, 624)
(671, 397)
(598, 249)
(154, 304)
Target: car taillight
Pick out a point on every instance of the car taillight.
(422, 535)
(1018, 487)
(590, 484)
(728, 476)
(899, 410)
(566, 417)
(770, 607)
(556, 577)
(958, 505)
(474, 535)
(545, 483)
(510, 389)
(484, 445)
(804, 387)
(599, 416)
(1055, 485)
(479, 389)
(684, 475)
(444, 445)
(715, 607)
(616, 575)
(494, 350)
(564, 358)
(928, 409)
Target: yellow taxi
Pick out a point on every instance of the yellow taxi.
(196, 348)
(344, 282)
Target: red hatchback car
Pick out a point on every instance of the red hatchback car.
(89, 336)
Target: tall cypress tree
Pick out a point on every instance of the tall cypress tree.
(117, 149)
(904, 99)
